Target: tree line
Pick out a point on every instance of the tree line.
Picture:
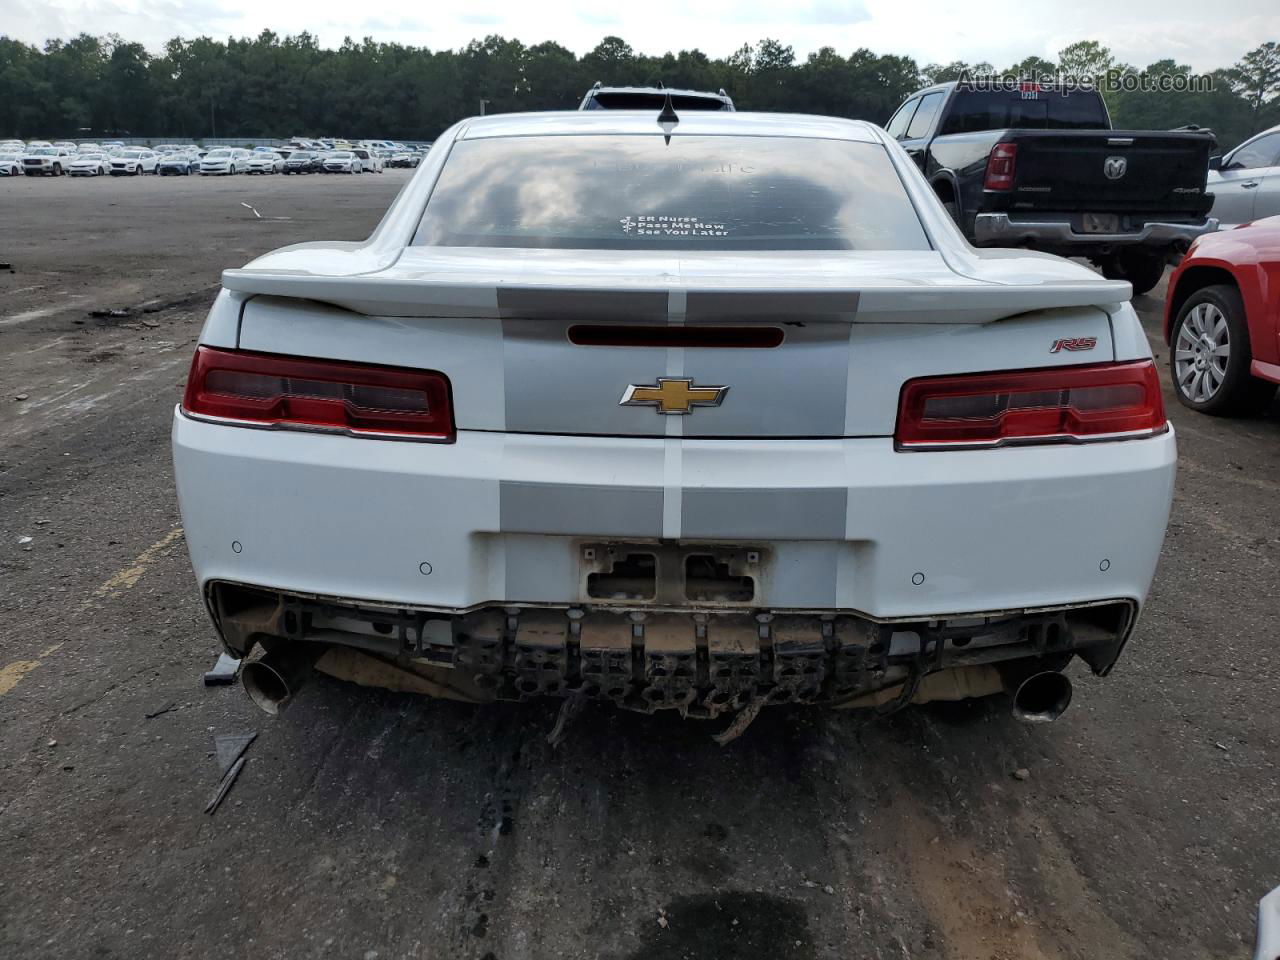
(272, 86)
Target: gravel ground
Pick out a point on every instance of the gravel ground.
(375, 825)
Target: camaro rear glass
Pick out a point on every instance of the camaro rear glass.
(694, 193)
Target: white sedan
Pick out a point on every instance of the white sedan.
(703, 415)
(223, 160)
(262, 162)
(343, 161)
(10, 163)
(134, 162)
(89, 165)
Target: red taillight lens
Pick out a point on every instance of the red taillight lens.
(1000, 167)
(265, 388)
(1062, 404)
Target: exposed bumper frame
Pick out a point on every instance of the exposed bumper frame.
(701, 663)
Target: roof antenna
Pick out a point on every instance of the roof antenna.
(667, 119)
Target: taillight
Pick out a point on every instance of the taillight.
(295, 392)
(1000, 167)
(1062, 404)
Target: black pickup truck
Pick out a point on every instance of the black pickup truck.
(1040, 167)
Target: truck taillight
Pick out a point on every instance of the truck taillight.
(265, 389)
(1000, 167)
(1111, 401)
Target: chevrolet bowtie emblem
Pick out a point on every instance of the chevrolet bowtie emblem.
(672, 395)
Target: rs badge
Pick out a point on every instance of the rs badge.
(672, 395)
(1074, 343)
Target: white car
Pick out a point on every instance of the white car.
(765, 429)
(10, 162)
(370, 160)
(89, 148)
(264, 162)
(134, 161)
(343, 161)
(224, 160)
(48, 161)
(89, 165)
(1246, 182)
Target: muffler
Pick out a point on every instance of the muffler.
(1041, 697)
(272, 678)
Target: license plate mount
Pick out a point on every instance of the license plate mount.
(1100, 223)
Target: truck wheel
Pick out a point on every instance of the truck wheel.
(1143, 270)
(1210, 355)
(1110, 268)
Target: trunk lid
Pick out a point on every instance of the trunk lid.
(555, 341)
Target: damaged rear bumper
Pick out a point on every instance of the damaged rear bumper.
(699, 662)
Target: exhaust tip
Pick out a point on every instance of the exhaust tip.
(266, 688)
(274, 678)
(1042, 697)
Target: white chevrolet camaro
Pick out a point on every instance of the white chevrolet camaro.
(704, 415)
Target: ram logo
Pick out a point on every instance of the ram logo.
(1074, 343)
(1113, 168)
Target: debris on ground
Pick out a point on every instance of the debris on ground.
(740, 722)
(224, 785)
(224, 671)
(1022, 773)
(571, 707)
(23, 541)
(22, 396)
(230, 749)
(6, 266)
(52, 743)
(662, 918)
(114, 313)
(171, 705)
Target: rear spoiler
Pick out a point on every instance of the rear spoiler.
(975, 302)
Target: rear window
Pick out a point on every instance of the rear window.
(695, 193)
(973, 110)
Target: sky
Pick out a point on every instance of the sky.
(1137, 31)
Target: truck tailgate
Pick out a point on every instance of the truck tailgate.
(1111, 171)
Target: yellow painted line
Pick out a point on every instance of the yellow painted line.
(130, 575)
(10, 675)
(125, 579)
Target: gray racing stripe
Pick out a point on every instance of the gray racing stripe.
(579, 509)
(537, 303)
(747, 514)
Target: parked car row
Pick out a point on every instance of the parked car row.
(63, 158)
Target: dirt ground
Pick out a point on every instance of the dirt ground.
(375, 825)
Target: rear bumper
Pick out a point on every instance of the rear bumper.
(841, 525)
(998, 229)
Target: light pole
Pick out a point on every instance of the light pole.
(483, 104)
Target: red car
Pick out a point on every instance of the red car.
(1222, 320)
